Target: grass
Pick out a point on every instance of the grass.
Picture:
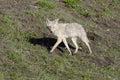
(46, 4)
(80, 8)
(72, 3)
(22, 60)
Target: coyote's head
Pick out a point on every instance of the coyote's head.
(52, 24)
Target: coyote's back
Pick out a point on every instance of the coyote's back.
(74, 30)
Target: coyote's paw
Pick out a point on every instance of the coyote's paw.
(70, 54)
(51, 51)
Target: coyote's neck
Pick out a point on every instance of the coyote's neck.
(59, 29)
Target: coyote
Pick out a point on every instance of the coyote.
(67, 30)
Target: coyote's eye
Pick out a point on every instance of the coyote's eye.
(48, 26)
(52, 27)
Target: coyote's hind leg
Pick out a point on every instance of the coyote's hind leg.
(86, 41)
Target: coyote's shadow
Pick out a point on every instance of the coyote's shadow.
(48, 43)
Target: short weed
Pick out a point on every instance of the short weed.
(46, 4)
(71, 3)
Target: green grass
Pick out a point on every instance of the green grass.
(22, 60)
(75, 4)
(72, 3)
(46, 4)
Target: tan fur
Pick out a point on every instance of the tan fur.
(67, 30)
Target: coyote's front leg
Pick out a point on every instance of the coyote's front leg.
(59, 40)
(66, 44)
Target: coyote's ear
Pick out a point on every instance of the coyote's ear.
(47, 21)
(56, 20)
